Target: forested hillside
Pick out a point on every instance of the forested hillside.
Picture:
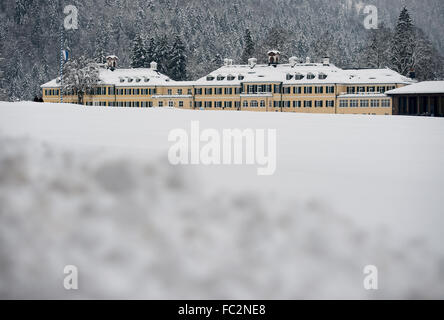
(210, 30)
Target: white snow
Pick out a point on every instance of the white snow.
(91, 187)
(424, 87)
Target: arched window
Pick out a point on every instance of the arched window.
(245, 104)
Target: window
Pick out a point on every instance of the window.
(179, 92)
(310, 76)
(170, 104)
(277, 88)
(287, 90)
(208, 91)
(330, 103)
(319, 104)
(228, 104)
(319, 90)
(238, 91)
(330, 89)
(296, 104)
(289, 76)
(351, 90)
(361, 89)
(218, 104)
(374, 103)
(190, 92)
(254, 104)
(287, 104)
(298, 76)
(308, 90)
(180, 104)
(353, 103)
(210, 78)
(364, 103)
(208, 104)
(198, 91)
(297, 90)
(277, 104)
(218, 91)
(322, 76)
(198, 104)
(385, 103)
(307, 104)
(262, 103)
(170, 92)
(381, 89)
(370, 89)
(343, 103)
(229, 91)
(237, 104)
(241, 77)
(230, 77)
(245, 104)
(220, 78)
(160, 103)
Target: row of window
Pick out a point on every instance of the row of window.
(262, 104)
(51, 92)
(364, 103)
(369, 89)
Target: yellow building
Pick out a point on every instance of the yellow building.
(297, 86)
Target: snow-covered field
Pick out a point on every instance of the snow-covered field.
(92, 187)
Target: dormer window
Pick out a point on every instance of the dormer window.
(210, 78)
(310, 76)
(130, 79)
(241, 77)
(146, 79)
(322, 76)
(299, 76)
(220, 78)
(138, 80)
(289, 76)
(230, 77)
(122, 80)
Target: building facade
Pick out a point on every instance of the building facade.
(297, 86)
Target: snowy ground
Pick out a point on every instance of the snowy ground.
(92, 187)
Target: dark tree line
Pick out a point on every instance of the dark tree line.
(169, 55)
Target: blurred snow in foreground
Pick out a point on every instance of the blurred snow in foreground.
(138, 230)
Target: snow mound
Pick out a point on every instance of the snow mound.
(147, 230)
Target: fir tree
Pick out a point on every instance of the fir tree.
(248, 47)
(178, 61)
(377, 52)
(150, 52)
(138, 54)
(403, 44)
(163, 54)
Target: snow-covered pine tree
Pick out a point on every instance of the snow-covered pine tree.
(177, 67)
(150, 51)
(138, 55)
(79, 76)
(403, 44)
(101, 44)
(3, 96)
(377, 51)
(248, 47)
(163, 54)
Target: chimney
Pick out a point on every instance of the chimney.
(153, 65)
(111, 62)
(326, 61)
(412, 74)
(273, 57)
(307, 60)
(228, 62)
(293, 61)
(252, 62)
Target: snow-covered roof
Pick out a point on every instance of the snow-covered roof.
(139, 77)
(287, 74)
(420, 88)
(363, 95)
